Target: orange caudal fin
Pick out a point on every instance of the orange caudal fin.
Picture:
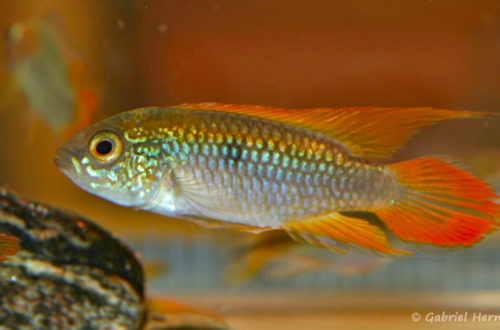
(9, 245)
(440, 204)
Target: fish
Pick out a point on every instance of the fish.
(256, 168)
(50, 74)
(9, 246)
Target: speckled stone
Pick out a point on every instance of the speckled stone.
(68, 274)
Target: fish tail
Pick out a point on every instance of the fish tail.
(439, 203)
(9, 245)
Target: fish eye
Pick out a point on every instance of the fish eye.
(105, 146)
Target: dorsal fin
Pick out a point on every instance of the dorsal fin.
(371, 132)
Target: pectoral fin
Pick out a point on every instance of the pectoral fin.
(209, 203)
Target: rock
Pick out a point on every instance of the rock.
(71, 274)
(68, 273)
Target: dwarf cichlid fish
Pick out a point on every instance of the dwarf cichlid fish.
(258, 168)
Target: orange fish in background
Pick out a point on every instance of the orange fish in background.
(50, 75)
(9, 246)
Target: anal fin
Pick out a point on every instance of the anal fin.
(336, 231)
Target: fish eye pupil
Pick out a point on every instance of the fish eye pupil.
(104, 147)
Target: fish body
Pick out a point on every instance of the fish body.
(50, 75)
(257, 168)
(254, 172)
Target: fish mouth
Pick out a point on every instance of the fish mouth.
(63, 158)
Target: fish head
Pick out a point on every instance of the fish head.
(103, 160)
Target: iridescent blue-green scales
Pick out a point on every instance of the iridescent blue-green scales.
(243, 170)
